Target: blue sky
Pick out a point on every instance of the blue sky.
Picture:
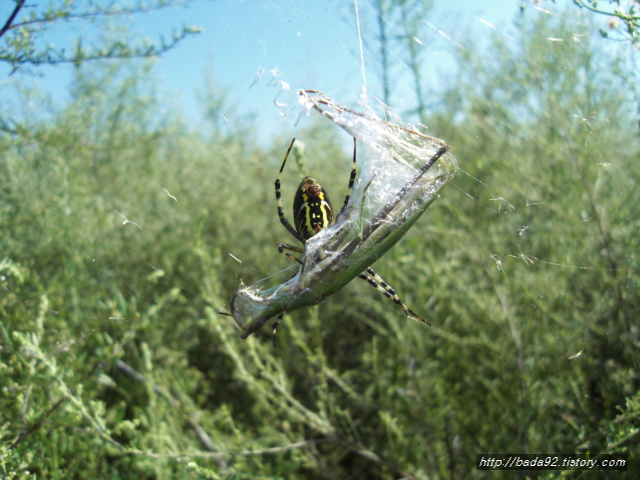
(310, 44)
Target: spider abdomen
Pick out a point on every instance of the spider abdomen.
(312, 210)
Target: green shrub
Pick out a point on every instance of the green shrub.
(118, 231)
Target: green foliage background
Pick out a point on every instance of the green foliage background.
(115, 365)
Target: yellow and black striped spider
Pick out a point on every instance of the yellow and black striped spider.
(312, 211)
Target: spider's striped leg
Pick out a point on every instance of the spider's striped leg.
(283, 220)
(376, 281)
(285, 246)
(275, 329)
(352, 178)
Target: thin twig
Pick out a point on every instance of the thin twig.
(24, 433)
(12, 17)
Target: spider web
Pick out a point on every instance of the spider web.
(400, 173)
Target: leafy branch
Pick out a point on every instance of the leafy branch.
(22, 31)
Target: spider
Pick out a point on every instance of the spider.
(312, 211)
